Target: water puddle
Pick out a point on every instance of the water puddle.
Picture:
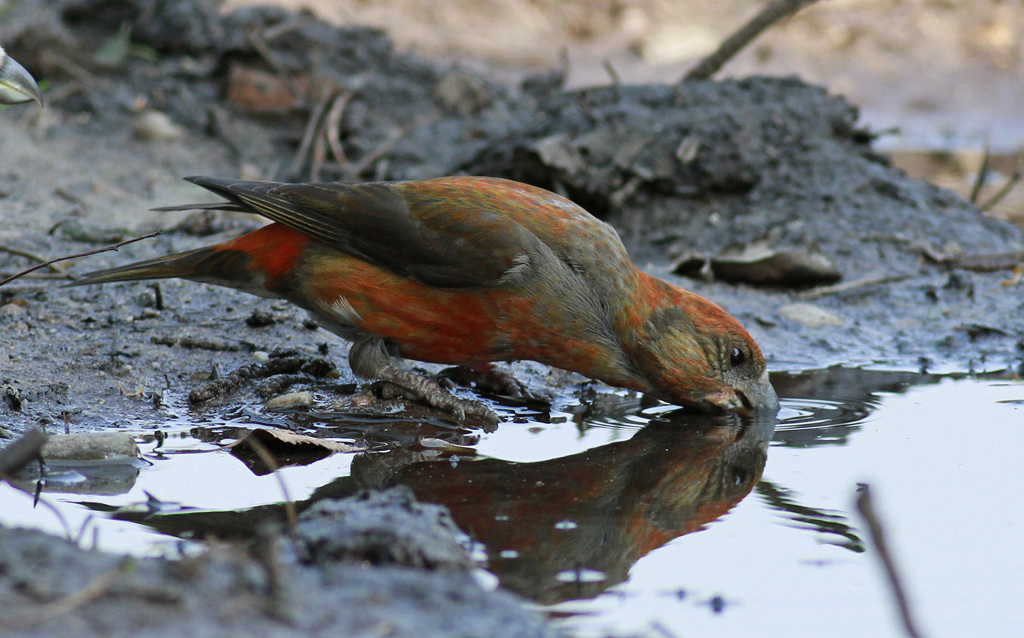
(622, 518)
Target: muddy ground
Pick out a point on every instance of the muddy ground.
(683, 171)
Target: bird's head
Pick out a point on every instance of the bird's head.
(691, 352)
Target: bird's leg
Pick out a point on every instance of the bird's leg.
(419, 388)
(370, 358)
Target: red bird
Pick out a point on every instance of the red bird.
(467, 271)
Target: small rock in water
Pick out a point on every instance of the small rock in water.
(90, 446)
(288, 401)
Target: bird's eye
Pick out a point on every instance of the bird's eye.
(739, 475)
(737, 357)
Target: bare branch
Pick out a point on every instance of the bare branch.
(867, 511)
(21, 274)
(22, 451)
(982, 176)
(1003, 191)
(732, 45)
(30, 255)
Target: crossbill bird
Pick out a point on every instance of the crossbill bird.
(16, 84)
(469, 271)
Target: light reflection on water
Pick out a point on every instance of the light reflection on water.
(596, 515)
(789, 560)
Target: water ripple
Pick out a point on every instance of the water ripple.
(808, 422)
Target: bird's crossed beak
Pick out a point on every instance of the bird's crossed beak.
(16, 84)
(757, 395)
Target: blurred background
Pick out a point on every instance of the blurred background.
(943, 78)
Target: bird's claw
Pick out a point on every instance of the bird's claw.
(487, 378)
(429, 392)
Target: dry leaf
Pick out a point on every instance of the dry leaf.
(286, 447)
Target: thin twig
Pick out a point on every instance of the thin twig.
(614, 75)
(29, 255)
(63, 91)
(274, 32)
(271, 462)
(256, 41)
(610, 70)
(333, 128)
(563, 66)
(850, 285)
(45, 275)
(867, 511)
(77, 255)
(22, 451)
(267, 554)
(319, 154)
(82, 529)
(50, 58)
(367, 160)
(743, 36)
(45, 503)
(309, 134)
(985, 263)
(1002, 192)
(662, 629)
(979, 179)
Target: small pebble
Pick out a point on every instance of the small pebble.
(12, 309)
(288, 401)
(157, 126)
(810, 315)
(362, 400)
(90, 446)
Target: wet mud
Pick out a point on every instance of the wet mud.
(391, 578)
(684, 172)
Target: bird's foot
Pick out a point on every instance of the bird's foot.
(415, 387)
(487, 378)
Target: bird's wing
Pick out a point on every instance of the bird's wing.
(449, 232)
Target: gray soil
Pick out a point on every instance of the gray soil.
(680, 170)
(400, 573)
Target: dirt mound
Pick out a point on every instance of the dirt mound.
(683, 171)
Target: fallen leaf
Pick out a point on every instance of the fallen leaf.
(287, 448)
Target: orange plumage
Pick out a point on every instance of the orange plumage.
(470, 270)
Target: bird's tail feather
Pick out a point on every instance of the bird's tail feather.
(209, 265)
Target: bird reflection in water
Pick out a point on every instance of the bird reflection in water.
(572, 527)
(564, 528)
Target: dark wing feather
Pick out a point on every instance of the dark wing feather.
(210, 206)
(445, 236)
